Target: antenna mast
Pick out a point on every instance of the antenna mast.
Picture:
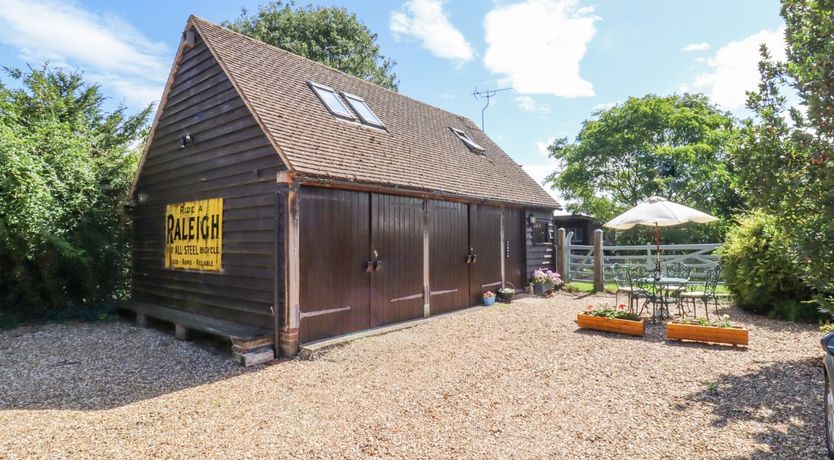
(487, 94)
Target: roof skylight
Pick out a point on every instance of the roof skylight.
(361, 108)
(470, 144)
(331, 100)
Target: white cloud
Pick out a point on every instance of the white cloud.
(528, 104)
(733, 69)
(541, 146)
(426, 22)
(696, 47)
(604, 106)
(107, 48)
(538, 171)
(538, 44)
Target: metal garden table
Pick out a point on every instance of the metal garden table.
(661, 289)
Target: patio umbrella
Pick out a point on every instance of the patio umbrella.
(658, 212)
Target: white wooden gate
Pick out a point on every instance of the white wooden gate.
(579, 258)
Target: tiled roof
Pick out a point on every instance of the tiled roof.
(417, 152)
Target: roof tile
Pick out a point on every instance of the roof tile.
(417, 150)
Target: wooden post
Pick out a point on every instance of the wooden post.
(426, 276)
(561, 237)
(180, 332)
(501, 252)
(599, 284)
(289, 336)
(141, 319)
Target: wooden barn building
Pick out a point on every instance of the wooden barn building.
(280, 199)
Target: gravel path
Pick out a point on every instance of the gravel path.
(509, 381)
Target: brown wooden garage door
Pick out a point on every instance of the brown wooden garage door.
(333, 251)
(397, 243)
(448, 250)
(485, 245)
(514, 246)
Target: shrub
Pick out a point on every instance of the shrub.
(760, 267)
(65, 169)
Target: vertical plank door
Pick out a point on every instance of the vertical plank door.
(397, 243)
(448, 251)
(334, 241)
(514, 247)
(485, 244)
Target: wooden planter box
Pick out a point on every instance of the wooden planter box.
(620, 326)
(729, 335)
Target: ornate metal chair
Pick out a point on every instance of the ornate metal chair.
(621, 279)
(639, 289)
(710, 286)
(682, 271)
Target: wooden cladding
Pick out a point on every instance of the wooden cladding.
(362, 258)
(231, 159)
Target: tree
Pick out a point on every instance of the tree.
(787, 158)
(673, 146)
(65, 169)
(330, 35)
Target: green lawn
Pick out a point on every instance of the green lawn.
(587, 286)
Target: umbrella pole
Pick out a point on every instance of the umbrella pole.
(657, 242)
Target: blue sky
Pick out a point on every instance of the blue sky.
(563, 58)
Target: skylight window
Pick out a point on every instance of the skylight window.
(361, 108)
(331, 100)
(470, 144)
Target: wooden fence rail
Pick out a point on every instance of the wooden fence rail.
(581, 263)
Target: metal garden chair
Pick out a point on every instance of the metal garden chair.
(639, 289)
(621, 279)
(682, 271)
(710, 286)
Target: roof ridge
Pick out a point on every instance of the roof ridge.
(333, 69)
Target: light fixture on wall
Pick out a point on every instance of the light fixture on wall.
(531, 219)
(142, 197)
(186, 140)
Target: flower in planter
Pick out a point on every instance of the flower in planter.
(489, 294)
(725, 321)
(547, 277)
(606, 311)
(506, 290)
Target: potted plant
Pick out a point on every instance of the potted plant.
(489, 298)
(546, 280)
(703, 330)
(506, 294)
(611, 319)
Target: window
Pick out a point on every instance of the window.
(541, 232)
(361, 108)
(470, 144)
(331, 99)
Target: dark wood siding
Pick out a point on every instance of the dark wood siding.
(448, 248)
(333, 249)
(229, 158)
(539, 255)
(514, 247)
(485, 244)
(397, 244)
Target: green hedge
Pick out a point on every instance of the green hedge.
(760, 267)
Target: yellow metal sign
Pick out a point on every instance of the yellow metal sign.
(194, 235)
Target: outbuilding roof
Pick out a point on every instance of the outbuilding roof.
(416, 150)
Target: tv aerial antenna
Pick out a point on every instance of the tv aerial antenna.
(487, 94)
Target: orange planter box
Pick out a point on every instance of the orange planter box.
(620, 326)
(730, 335)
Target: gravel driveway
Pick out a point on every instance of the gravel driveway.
(509, 381)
